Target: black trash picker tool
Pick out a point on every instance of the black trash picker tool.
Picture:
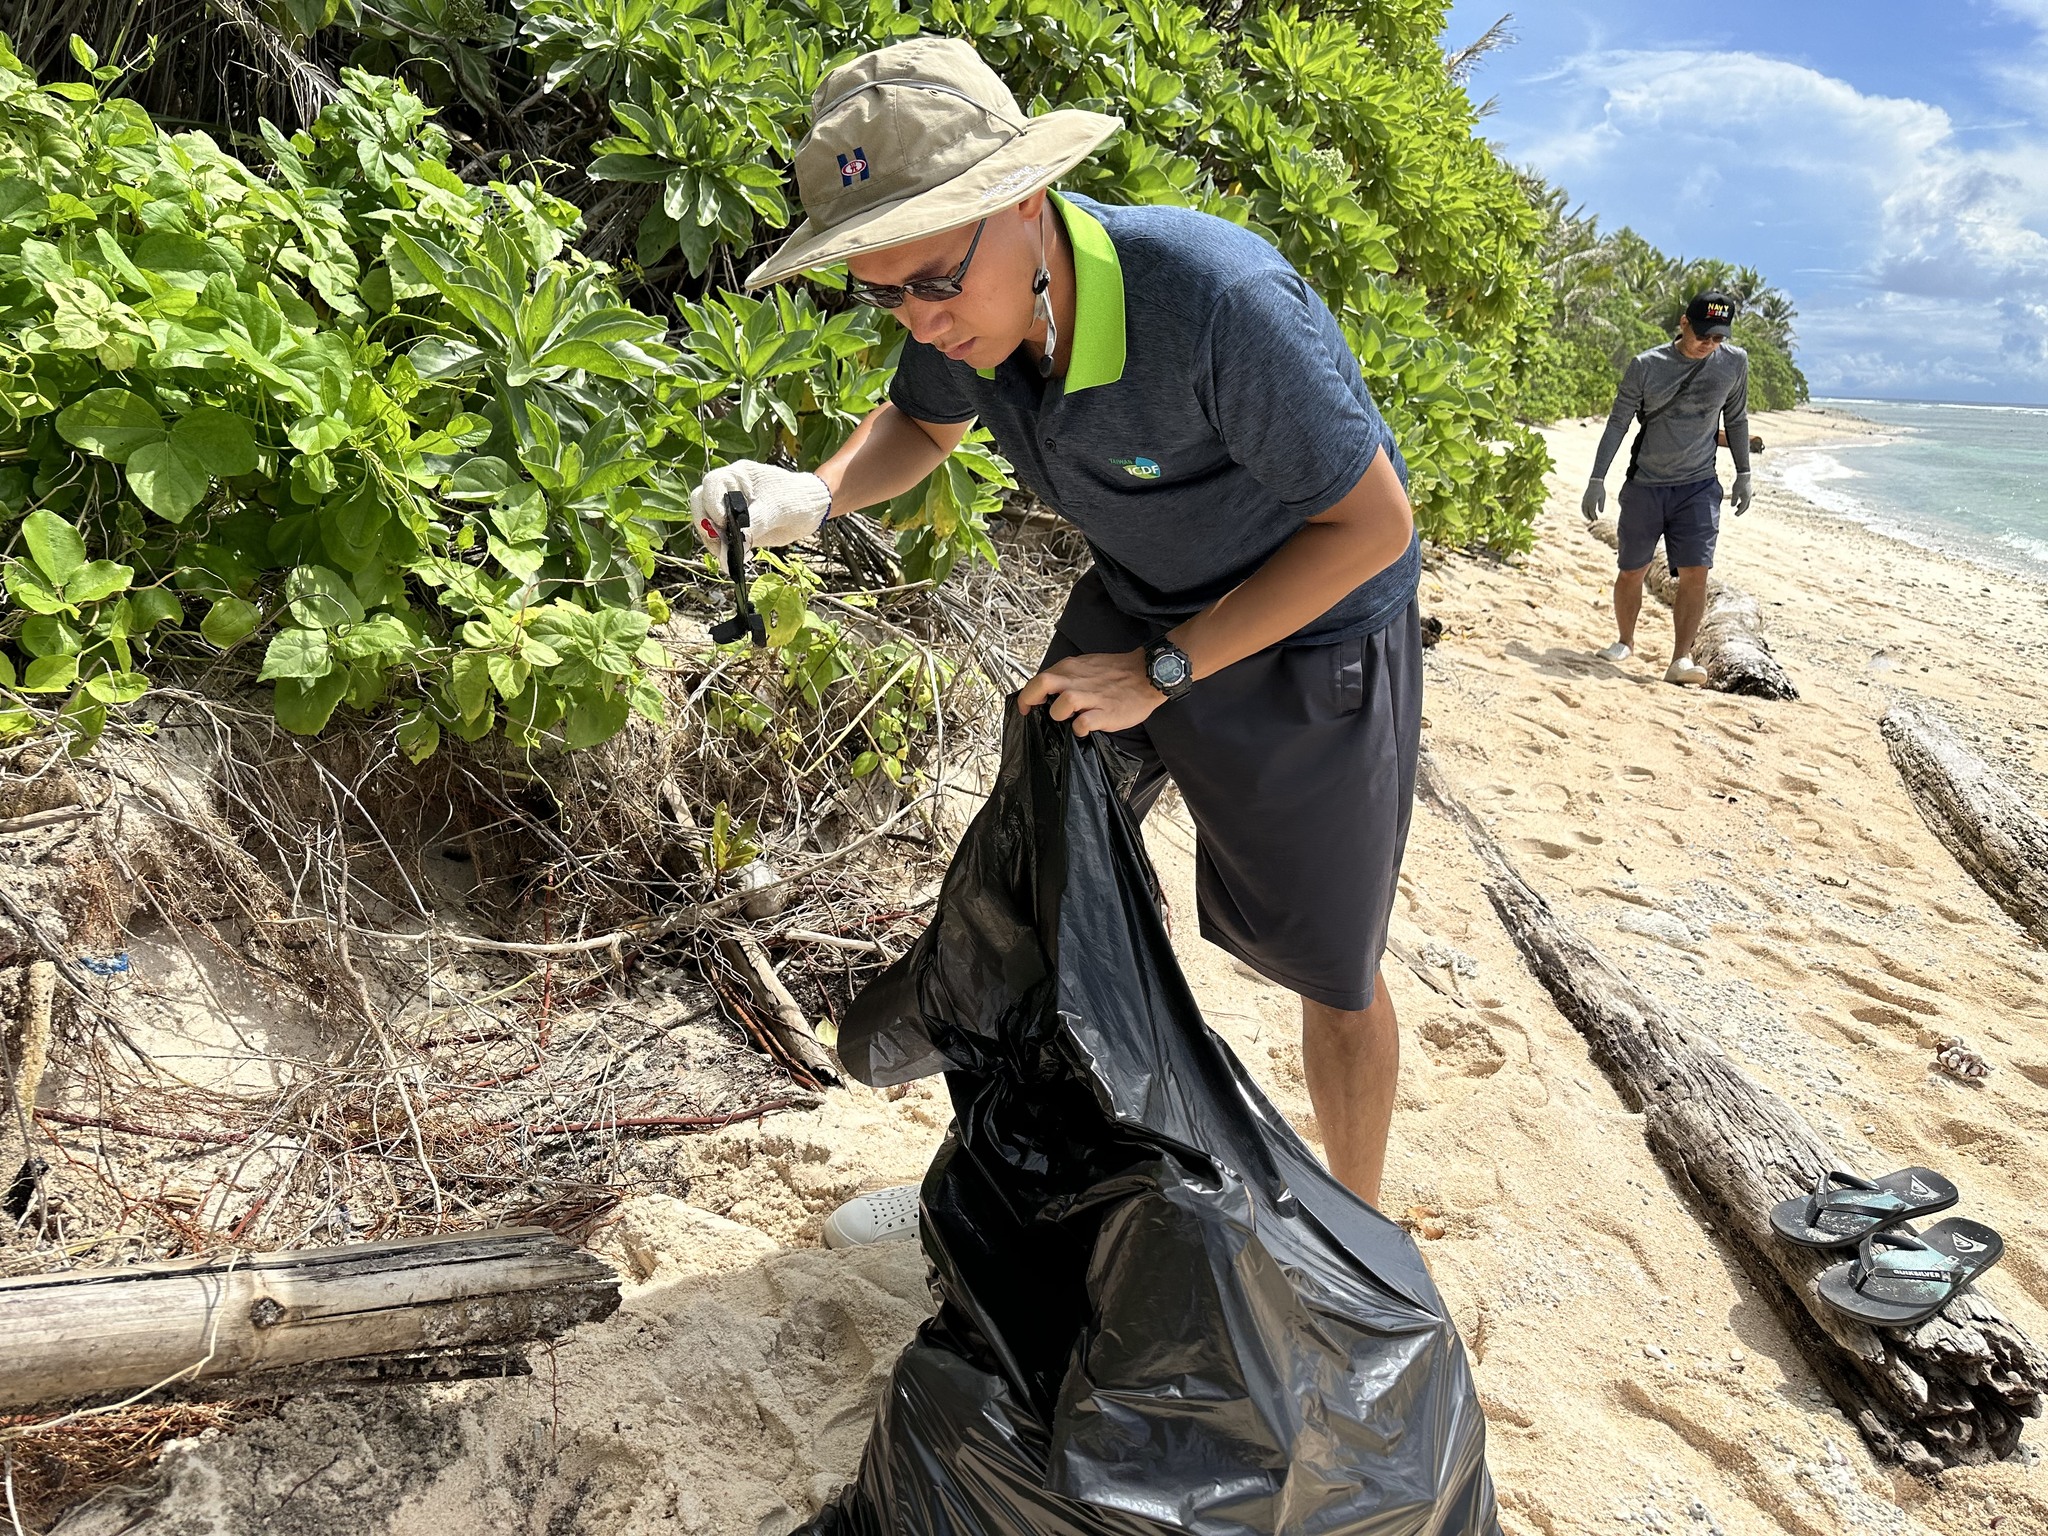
(744, 621)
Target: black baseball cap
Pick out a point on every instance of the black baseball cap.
(1711, 314)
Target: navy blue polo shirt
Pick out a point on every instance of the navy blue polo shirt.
(1211, 406)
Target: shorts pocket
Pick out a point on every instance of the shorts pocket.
(1347, 675)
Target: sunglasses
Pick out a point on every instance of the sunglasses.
(892, 295)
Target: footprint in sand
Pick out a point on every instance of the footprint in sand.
(1797, 784)
(1640, 775)
(1544, 846)
(1463, 1045)
(2035, 1072)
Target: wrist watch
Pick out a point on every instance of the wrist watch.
(1168, 669)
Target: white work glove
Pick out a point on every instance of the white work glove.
(783, 505)
(1594, 502)
(1740, 495)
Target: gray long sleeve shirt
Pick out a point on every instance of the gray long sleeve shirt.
(1678, 447)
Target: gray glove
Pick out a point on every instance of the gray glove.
(1740, 495)
(1594, 502)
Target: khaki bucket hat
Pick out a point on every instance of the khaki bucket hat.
(913, 140)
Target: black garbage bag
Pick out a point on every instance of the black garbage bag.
(1158, 1312)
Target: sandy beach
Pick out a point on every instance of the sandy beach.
(1756, 865)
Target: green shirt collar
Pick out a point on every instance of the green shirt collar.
(1098, 355)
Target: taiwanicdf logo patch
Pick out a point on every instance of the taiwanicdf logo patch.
(1144, 469)
(853, 167)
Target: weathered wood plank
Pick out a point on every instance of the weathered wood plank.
(1731, 643)
(1993, 833)
(1951, 1391)
(74, 1337)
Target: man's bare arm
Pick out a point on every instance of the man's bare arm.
(1303, 579)
(885, 456)
(1307, 576)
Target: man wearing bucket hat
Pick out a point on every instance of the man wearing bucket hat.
(1171, 385)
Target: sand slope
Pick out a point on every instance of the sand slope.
(1757, 864)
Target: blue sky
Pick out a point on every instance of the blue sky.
(1886, 163)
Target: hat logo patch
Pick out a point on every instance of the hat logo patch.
(853, 167)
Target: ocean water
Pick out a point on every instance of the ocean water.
(1968, 479)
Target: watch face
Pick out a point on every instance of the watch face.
(1169, 670)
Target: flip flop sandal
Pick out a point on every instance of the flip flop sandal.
(1897, 1279)
(1842, 1209)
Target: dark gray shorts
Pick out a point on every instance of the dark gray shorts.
(1686, 517)
(1298, 769)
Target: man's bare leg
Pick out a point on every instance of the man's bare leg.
(1352, 1059)
(1688, 610)
(1628, 604)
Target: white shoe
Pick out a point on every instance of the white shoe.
(886, 1216)
(1686, 672)
(1615, 652)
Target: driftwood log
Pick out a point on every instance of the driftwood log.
(1952, 1391)
(1731, 643)
(1991, 831)
(779, 1011)
(267, 1318)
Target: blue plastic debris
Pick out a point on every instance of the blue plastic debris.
(111, 965)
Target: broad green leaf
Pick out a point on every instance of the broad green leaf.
(50, 674)
(58, 550)
(435, 359)
(111, 423)
(594, 718)
(508, 674)
(48, 635)
(320, 599)
(25, 584)
(118, 687)
(304, 706)
(317, 434)
(472, 680)
(482, 478)
(418, 736)
(230, 621)
(522, 518)
(7, 676)
(616, 634)
(98, 579)
(296, 653)
(167, 479)
(151, 606)
(218, 439)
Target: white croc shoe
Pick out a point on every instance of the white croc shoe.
(1615, 652)
(886, 1216)
(1685, 672)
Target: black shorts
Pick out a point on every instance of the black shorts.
(1298, 768)
(1686, 517)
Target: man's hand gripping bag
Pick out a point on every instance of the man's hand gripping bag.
(1158, 1312)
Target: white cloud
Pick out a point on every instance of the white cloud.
(1938, 243)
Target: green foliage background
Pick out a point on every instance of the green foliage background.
(1614, 295)
(395, 407)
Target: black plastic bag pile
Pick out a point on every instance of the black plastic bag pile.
(1158, 1312)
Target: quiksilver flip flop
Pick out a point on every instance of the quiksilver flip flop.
(1842, 1209)
(1897, 1279)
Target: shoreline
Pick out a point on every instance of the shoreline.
(1835, 427)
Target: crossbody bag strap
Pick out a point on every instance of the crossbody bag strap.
(1644, 418)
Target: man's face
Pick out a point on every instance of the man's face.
(1695, 346)
(992, 313)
